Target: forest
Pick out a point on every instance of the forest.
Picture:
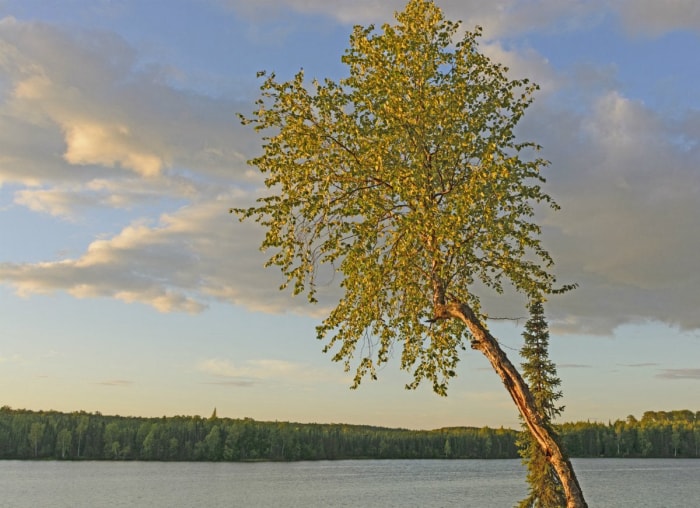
(52, 435)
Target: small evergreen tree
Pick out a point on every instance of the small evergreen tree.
(541, 374)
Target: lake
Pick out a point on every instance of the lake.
(653, 483)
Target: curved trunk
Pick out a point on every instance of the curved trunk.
(517, 388)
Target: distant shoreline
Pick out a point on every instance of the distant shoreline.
(53, 435)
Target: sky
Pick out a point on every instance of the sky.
(127, 288)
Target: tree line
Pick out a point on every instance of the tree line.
(26, 434)
(658, 434)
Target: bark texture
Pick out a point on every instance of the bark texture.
(483, 341)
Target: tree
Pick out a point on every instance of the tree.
(212, 444)
(81, 428)
(64, 441)
(112, 446)
(541, 375)
(448, 448)
(36, 433)
(406, 178)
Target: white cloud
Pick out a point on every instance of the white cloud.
(188, 258)
(116, 382)
(73, 200)
(15, 358)
(255, 371)
(90, 110)
(499, 18)
(344, 11)
(525, 64)
(627, 231)
(108, 145)
(654, 17)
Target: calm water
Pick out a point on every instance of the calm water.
(364, 484)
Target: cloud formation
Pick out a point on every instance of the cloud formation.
(86, 128)
(188, 258)
(679, 374)
(627, 230)
(649, 17)
(500, 18)
(116, 382)
(254, 372)
(78, 106)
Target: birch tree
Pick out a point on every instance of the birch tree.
(406, 178)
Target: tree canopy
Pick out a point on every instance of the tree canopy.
(407, 178)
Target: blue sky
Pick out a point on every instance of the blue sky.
(127, 288)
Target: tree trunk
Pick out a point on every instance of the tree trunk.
(517, 388)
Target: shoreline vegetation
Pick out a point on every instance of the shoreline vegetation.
(53, 435)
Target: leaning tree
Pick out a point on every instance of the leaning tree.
(407, 179)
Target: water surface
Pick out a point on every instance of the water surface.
(607, 483)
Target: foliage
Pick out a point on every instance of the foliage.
(53, 435)
(658, 434)
(406, 178)
(545, 489)
(193, 438)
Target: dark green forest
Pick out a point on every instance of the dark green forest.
(26, 434)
